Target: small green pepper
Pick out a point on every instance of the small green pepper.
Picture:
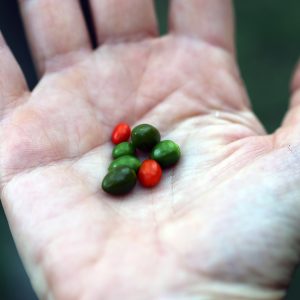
(145, 137)
(122, 149)
(166, 153)
(125, 161)
(119, 181)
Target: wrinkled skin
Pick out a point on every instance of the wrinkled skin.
(223, 224)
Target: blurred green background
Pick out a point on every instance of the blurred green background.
(268, 42)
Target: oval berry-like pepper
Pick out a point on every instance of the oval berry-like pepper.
(122, 149)
(166, 153)
(149, 173)
(125, 161)
(145, 137)
(119, 181)
(121, 133)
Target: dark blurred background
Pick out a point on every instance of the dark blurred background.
(268, 42)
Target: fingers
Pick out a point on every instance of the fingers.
(56, 31)
(12, 81)
(289, 131)
(117, 20)
(293, 115)
(209, 20)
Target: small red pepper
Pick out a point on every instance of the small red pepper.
(149, 173)
(121, 133)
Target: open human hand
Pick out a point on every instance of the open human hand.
(222, 225)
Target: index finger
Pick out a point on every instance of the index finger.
(209, 20)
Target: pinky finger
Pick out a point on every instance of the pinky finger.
(288, 133)
(12, 81)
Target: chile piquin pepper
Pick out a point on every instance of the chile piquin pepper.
(145, 137)
(121, 133)
(126, 167)
(119, 181)
(125, 161)
(166, 153)
(150, 173)
(122, 149)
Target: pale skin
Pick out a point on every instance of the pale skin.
(223, 224)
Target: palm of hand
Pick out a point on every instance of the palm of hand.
(200, 230)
